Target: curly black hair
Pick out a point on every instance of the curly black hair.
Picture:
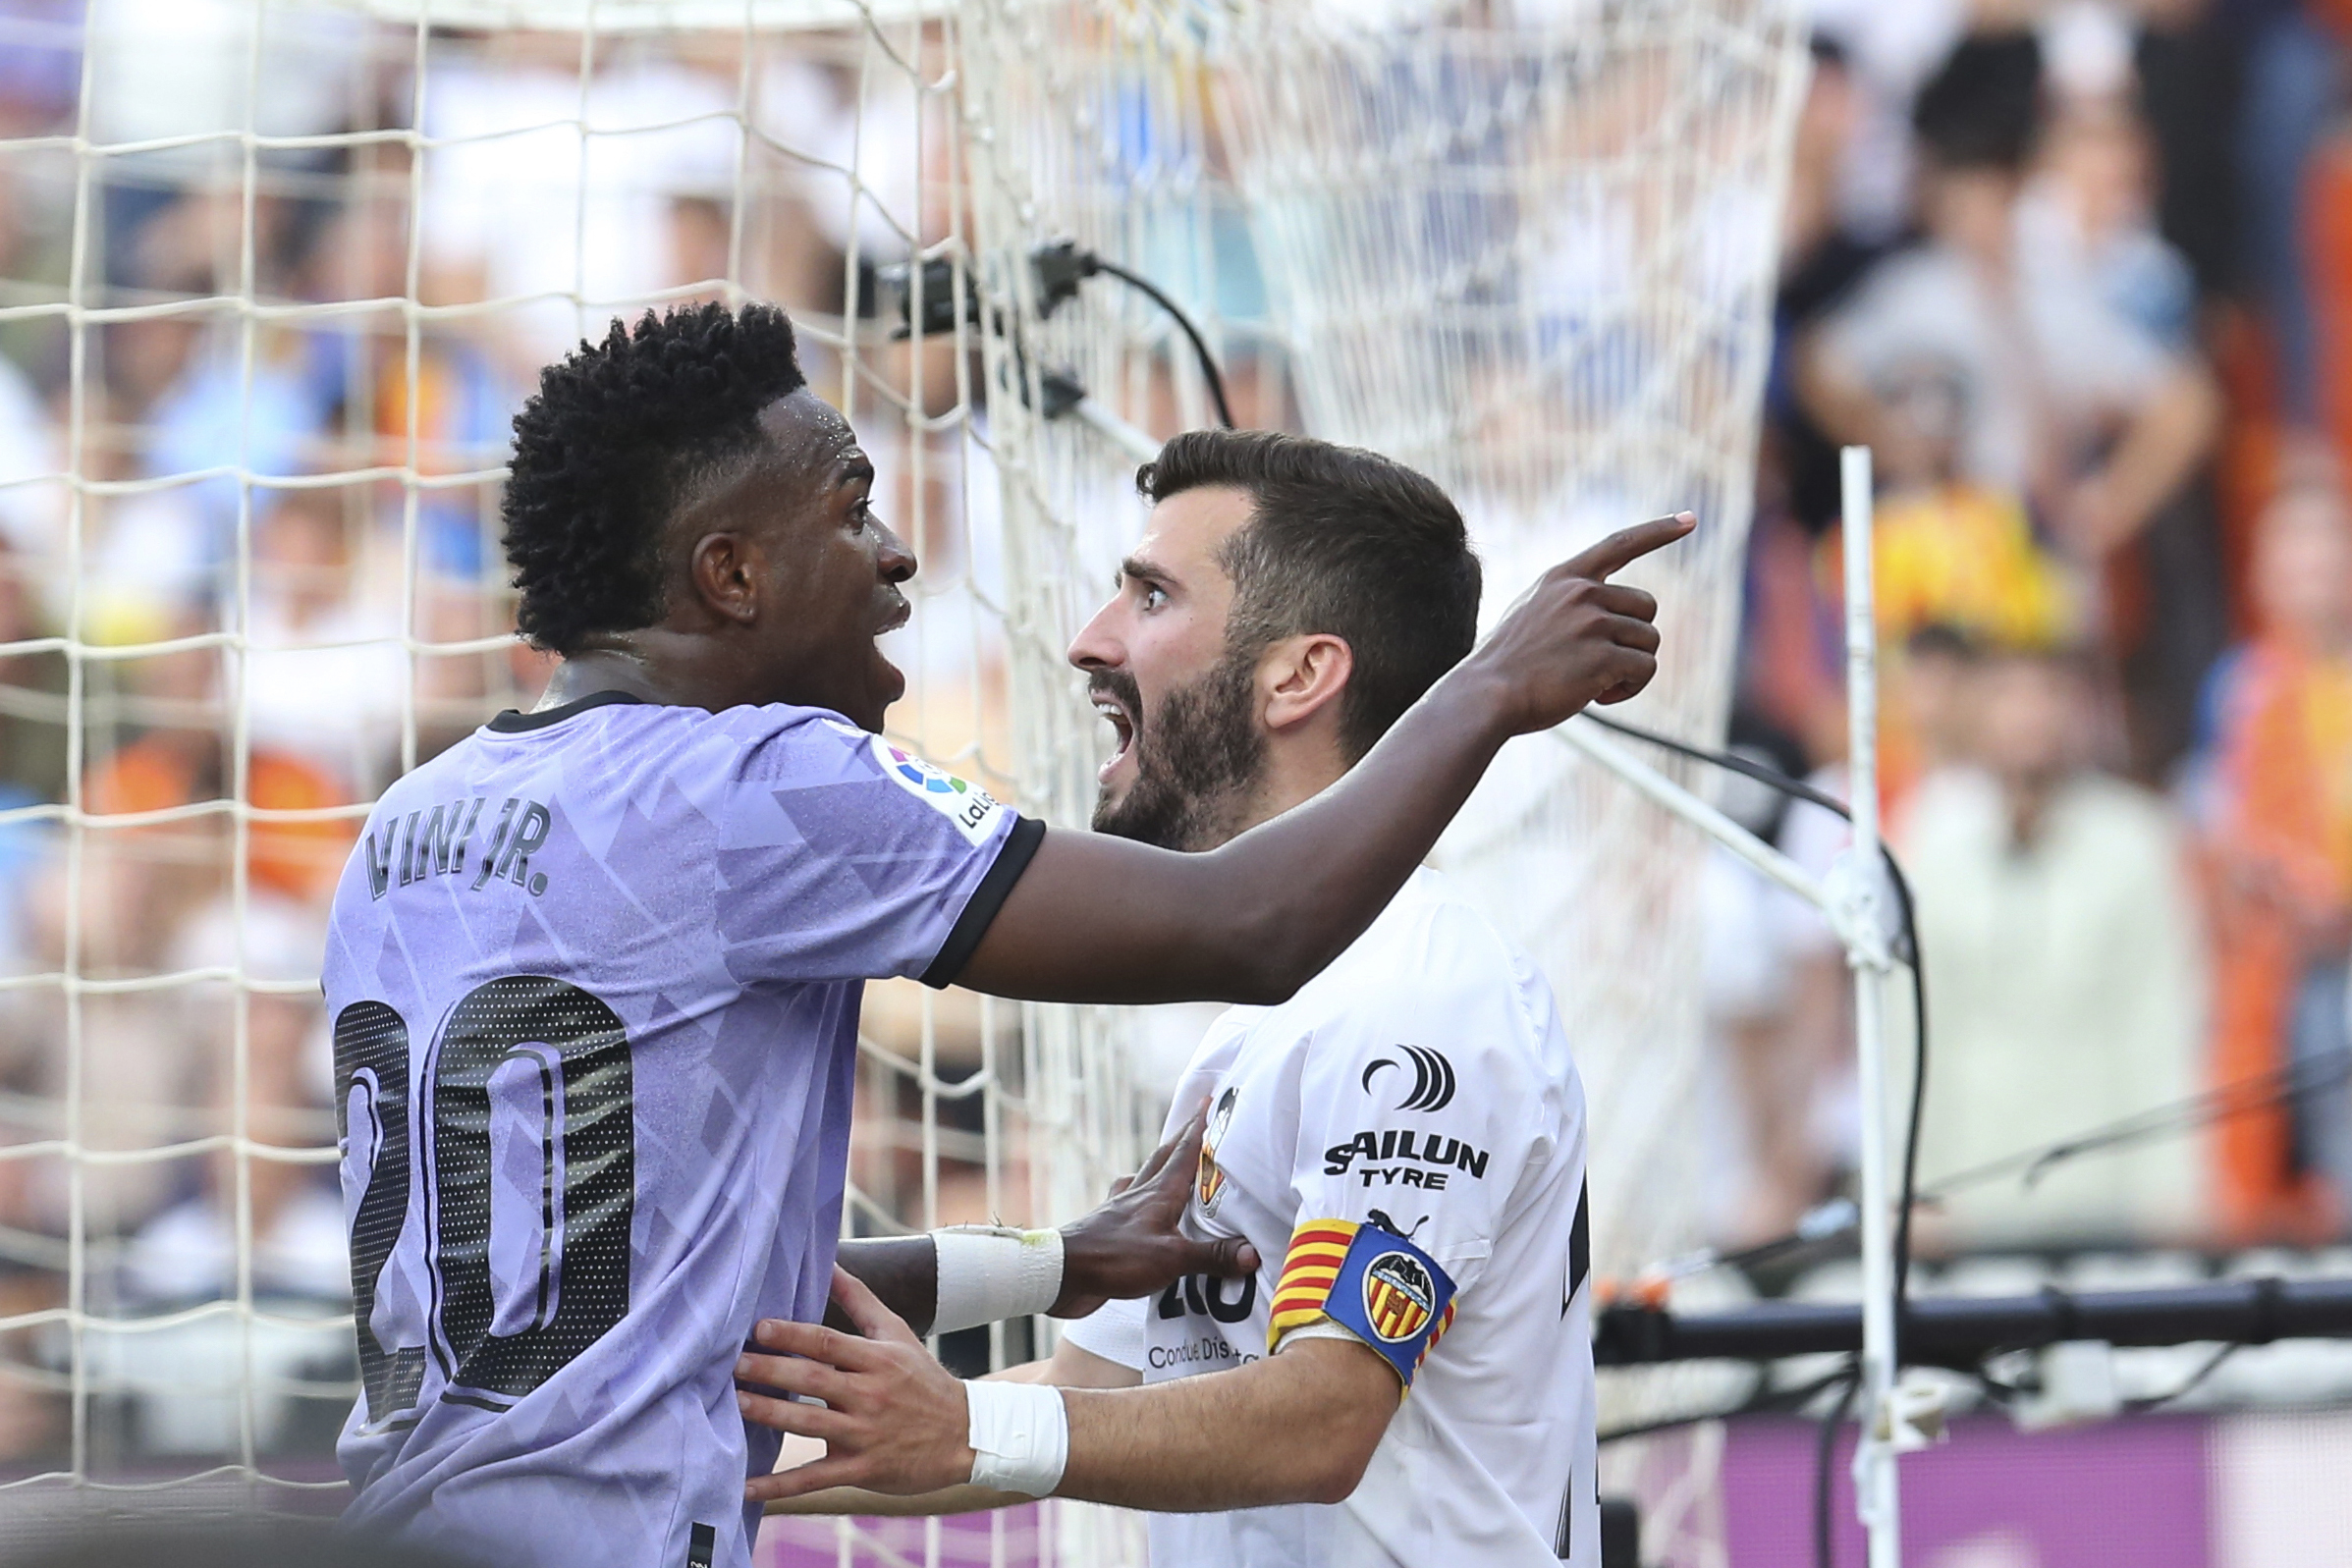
(611, 445)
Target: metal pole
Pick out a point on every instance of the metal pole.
(1663, 791)
(1875, 1493)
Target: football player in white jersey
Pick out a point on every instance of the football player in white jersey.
(1407, 1379)
(595, 970)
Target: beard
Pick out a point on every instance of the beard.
(1196, 761)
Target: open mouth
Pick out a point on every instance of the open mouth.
(898, 617)
(1123, 729)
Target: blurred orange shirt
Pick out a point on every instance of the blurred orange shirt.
(302, 859)
(2282, 845)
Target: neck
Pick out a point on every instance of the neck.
(1293, 776)
(2029, 801)
(653, 665)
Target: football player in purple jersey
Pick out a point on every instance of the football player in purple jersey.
(594, 971)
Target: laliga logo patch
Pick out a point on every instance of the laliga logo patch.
(1210, 1186)
(972, 809)
(1399, 1297)
(924, 776)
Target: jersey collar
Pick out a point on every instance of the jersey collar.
(513, 722)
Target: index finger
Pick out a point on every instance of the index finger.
(1628, 545)
(1183, 1150)
(1189, 1133)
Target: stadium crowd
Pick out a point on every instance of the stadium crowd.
(2077, 271)
(2072, 272)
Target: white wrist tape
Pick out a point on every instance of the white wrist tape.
(1020, 1435)
(989, 1273)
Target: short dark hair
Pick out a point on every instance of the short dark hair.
(617, 437)
(1982, 107)
(1341, 541)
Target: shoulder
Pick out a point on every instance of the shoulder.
(1435, 966)
(1464, 949)
(1904, 279)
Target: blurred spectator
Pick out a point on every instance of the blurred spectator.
(2090, 209)
(32, 504)
(1821, 260)
(2293, 67)
(1952, 557)
(505, 215)
(164, 69)
(40, 65)
(2278, 827)
(325, 678)
(1892, 49)
(2072, 406)
(2065, 979)
(33, 693)
(189, 1253)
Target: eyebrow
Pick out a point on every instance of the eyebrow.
(1136, 567)
(856, 465)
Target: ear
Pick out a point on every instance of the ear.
(1303, 676)
(723, 573)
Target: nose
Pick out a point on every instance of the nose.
(1097, 645)
(892, 559)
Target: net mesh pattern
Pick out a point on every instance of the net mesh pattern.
(277, 323)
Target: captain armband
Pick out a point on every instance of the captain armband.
(1373, 1282)
(991, 1272)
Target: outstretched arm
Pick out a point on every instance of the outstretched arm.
(1101, 919)
(895, 1421)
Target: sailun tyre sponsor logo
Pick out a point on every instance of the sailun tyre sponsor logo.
(1399, 1297)
(1433, 1077)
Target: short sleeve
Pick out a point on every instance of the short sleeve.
(842, 856)
(1417, 1116)
(1114, 1332)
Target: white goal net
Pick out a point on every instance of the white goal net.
(273, 278)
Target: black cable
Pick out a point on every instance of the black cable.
(1794, 789)
(1825, 1454)
(1201, 348)
(1906, 1197)
(2212, 1364)
(2259, 1092)
(1908, 1194)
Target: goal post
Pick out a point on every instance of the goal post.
(275, 328)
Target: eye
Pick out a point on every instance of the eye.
(1154, 596)
(861, 514)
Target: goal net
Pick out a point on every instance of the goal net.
(276, 276)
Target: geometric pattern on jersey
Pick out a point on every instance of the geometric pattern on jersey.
(594, 978)
(1369, 1280)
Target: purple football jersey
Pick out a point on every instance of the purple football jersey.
(594, 975)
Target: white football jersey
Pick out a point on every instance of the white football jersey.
(1405, 1141)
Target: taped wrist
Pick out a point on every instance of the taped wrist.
(990, 1273)
(1019, 1435)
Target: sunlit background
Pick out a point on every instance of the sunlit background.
(275, 277)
